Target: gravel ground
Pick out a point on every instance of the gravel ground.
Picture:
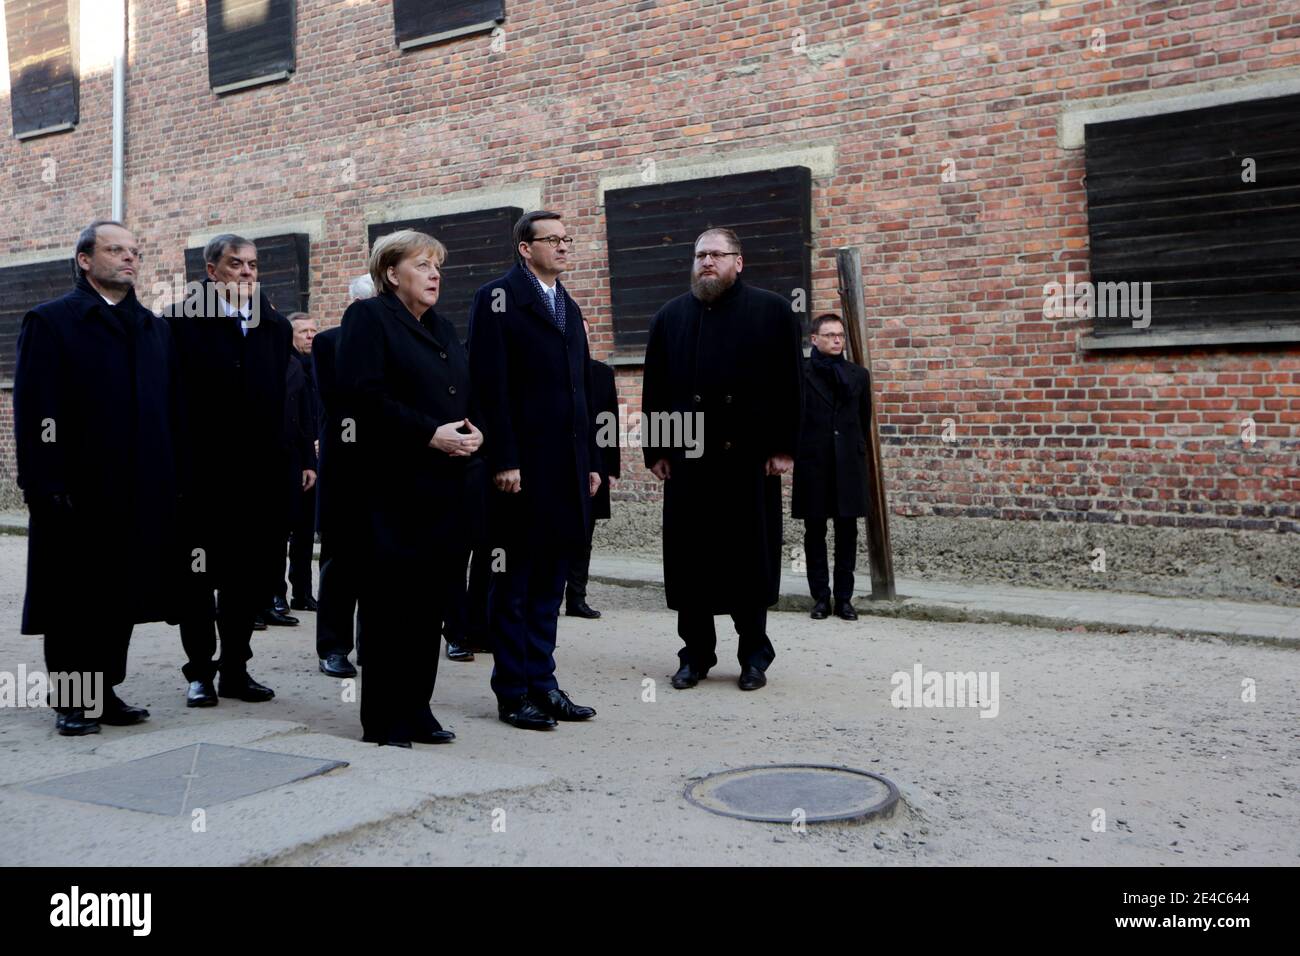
(1150, 729)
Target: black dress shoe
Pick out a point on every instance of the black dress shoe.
(272, 616)
(688, 676)
(581, 609)
(278, 604)
(821, 610)
(259, 623)
(524, 714)
(751, 678)
(201, 694)
(433, 733)
(557, 704)
(844, 609)
(119, 714)
(459, 652)
(337, 665)
(75, 723)
(246, 689)
(304, 604)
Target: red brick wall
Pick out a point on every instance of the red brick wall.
(586, 89)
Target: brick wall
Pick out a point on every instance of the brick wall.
(585, 90)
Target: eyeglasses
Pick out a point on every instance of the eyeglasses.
(829, 335)
(555, 241)
(117, 251)
(701, 256)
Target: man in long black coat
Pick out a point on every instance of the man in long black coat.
(339, 584)
(529, 364)
(234, 355)
(604, 408)
(301, 469)
(93, 420)
(830, 471)
(724, 360)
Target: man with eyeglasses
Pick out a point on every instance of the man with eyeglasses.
(723, 359)
(529, 363)
(830, 472)
(94, 393)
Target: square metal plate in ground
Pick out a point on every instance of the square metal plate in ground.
(174, 782)
(773, 794)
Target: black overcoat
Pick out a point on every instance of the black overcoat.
(604, 400)
(830, 471)
(300, 430)
(736, 362)
(233, 398)
(401, 379)
(531, 383)
(103, 493)
(336, 454)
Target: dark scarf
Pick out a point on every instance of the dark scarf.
(556, 311)
(834, 370)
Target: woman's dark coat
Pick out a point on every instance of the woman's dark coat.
(401, 379)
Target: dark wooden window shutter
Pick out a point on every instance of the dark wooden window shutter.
(44, 93)
(22, 288)
(479, 249)
(651, 234)
(420, 22)
(1169, 204)
(283, 269)
(250, 42)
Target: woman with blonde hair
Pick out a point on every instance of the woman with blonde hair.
(406, 378)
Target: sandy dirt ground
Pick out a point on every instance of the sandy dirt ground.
(1152, 730)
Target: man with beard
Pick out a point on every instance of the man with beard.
(830, 474)
(725, 355)
(234, 355)
(93, 402)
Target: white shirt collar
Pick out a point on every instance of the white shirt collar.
(246, 312)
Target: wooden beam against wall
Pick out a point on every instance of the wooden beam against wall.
(879, 554)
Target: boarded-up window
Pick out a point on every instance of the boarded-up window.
(22, 288)
(1205, 206)
(250, 42)
(420, 22)
(479, 249)
(43, 88)
(282, 269)
(652, 230)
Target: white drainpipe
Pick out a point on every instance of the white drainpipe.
(119, 119)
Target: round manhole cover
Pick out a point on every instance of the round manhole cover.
(773, 794)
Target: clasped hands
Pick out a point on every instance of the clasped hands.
(458, 439)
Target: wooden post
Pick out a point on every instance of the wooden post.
(879, 553)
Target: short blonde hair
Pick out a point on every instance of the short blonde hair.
(391, 249)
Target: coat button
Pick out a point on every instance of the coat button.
(442, 354)
(697, 399)
(837, 431)
(726, 446)
(727, 399)
(451, 389)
